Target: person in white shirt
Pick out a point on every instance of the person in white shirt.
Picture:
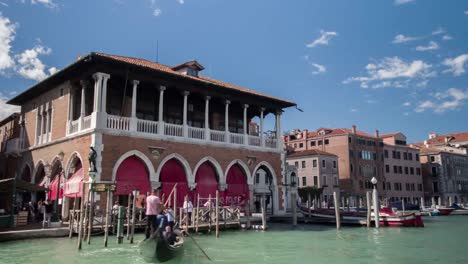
(188, 208)
(170, 217)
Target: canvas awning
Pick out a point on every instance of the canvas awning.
(53, 187)
(73, 186)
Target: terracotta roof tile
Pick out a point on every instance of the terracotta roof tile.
(167, 69)
(452, 138)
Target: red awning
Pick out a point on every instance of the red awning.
(132, 175)
(53, 188)
(73, 186)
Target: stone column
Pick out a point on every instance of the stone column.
(226, 122)
(83, 99)
(160, 113)
(133, 120)
(246, 135)
(186, 94)
(104, 92)
(262, 138)
(97, 92)
(207, 117)
(279, 140)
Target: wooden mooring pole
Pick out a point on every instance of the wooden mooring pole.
(336, 200)
(217, 213)
(133, 217)
(72, 218)
(91, 216)
(368, 200)
(264, 227)
(198, 213)
(209, 214)
(80, 224)
(128, 215)
(106, 230)
(120, 224)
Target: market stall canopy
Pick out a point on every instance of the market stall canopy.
(73, 186)
(6, 185)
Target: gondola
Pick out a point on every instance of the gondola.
(157, 247)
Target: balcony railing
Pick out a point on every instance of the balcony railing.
(147, 126)
(156, 129)
(118, 122)
(196, 132)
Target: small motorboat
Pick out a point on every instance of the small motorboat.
(445, 210)
(458, 210)
(160, 247)
(390, 217)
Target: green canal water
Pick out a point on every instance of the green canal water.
(443, 240)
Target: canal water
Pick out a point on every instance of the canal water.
(443, 240)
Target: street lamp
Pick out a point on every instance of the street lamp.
(376, 202)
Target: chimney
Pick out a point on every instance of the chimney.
(447, 139)
(304, 133)
(432, 135)
(354, 129)
(377, 133)
(425, 144)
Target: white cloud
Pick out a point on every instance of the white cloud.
(353, 110)
(447, 37)
(319, 68)
(7, 35)
(157, 12)
(324, 38)
(407, 104)
(181, 2)
(449, 100)
(29, 64)
(3, 4)
(393, 72)
(46, 3)
(52, 70)
(466, 13)
(400, 38)
(402, 2)
(438, 31)
(456, 64)
(6, 109)
(432, 45)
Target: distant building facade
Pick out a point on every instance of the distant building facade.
(445, 168)
(402, 170)
(316, 168)
(359, 156)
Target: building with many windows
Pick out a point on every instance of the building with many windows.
(402, 170)
(358, 156)
(150, 126)
(316, 168)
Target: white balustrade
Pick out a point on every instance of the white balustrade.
(86, 122)
(173, 130)
(218, 136)
(118, 122)
(254, 141)
(270, 142)
(237, 138)
(74, 126)
(196, 132)
(147, 126)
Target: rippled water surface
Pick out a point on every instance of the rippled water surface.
(443, 240)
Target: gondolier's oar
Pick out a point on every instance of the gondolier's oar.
(204, 253)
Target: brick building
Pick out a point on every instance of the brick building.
(402, 173)
(359, 156)
(316, 168)
(444, 162)
(152, 126)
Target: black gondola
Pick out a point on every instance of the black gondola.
(160, 248)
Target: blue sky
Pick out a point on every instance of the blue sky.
(392, 65)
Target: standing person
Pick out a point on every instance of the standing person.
(48, 209)
(153, 207)
(188, 208)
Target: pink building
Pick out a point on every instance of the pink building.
(316, 168)
(402, 171)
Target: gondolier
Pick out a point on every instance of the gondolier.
(153, 207)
